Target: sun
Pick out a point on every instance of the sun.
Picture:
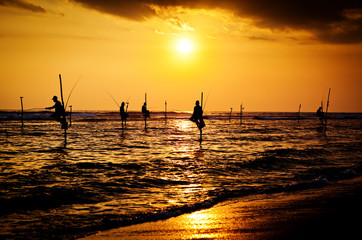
(184, 46)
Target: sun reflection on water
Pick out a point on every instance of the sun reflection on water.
(202, 225)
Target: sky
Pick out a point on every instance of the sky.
(265, 55)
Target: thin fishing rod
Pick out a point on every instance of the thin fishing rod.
(70, 94)
(207, 97)
(112, 98)
(30, 109)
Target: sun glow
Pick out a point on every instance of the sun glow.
(184, 46)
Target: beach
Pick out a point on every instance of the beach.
(332, 212)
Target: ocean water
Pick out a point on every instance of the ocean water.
(106, 177)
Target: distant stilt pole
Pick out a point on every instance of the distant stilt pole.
(241, 114)
(70, 116)
(231, 110)
(63, 123)
(22, 112)
(300, 105)
(145, 116)
(202, 100)
(325, 115)
(165, 111)
(125, 120)
(61, 89)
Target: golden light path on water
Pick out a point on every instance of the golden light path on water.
(108, 177)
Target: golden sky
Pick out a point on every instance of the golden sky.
(268, 55)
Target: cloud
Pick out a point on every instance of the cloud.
(334, 21)
(179, 25)
(22, 5)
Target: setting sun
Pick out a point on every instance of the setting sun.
(185, 46)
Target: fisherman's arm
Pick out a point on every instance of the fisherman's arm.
(51, 107)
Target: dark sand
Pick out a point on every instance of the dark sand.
(332, 212)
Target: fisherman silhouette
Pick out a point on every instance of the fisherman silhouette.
(59, 113)
(320, 114)
(145, 112)
(197, 115)
(123, 113)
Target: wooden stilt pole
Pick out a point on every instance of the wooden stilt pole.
(325, 115)
(165, 111)
(63, 123)
(202, 100)
(241, 114)
(125, 120)
(231, 110)
(145, 114)
(22, 112)
(300, 105)
(70, 116)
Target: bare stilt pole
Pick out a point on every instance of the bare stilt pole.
(231, 110)
(300, 105)
(22, 112)
(64, 121)
(70, 116)
(145, 116)
(125, 120)
(166, 111)
(202, 99)
(241, 114)
(325, 116)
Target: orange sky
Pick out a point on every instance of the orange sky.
(270, 58)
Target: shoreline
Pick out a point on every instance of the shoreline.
(323, 213)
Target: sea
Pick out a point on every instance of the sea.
(100, 175)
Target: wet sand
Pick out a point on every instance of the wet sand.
(332, 212)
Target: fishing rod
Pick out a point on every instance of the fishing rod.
(31, 109)
(207, 97)
(113, 98)
(71, 91)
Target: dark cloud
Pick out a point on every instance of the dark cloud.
(336, 21)
(22, 5)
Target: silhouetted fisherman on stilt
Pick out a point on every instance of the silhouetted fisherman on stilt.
(320, 114)
(59, 114)
(123, 113)
(146, 113)
(197, 117)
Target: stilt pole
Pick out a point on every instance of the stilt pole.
(22, 112)
(325, 116)
(231, 110)
(70, 116)
(165, 111)
(125, 120)
(300, 105)
(241, 114)
(145, 114)
(64, 120)
(202, 100)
